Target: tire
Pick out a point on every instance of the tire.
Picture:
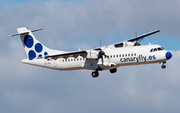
(163, 66)
(95, 74)
(113, 70)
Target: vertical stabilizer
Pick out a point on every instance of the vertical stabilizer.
(32, 46)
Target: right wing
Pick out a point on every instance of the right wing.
(143, 36)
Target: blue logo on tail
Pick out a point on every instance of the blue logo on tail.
(29, 42)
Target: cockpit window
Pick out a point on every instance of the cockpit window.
(156, 49)
(160, 48)
(152, 50)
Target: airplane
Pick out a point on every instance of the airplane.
(109, 57)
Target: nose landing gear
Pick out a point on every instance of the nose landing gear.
(163, 66)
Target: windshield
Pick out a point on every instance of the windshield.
(157, 49)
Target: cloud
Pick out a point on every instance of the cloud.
(68, 25)
(92, 20)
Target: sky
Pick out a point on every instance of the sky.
(69, 25)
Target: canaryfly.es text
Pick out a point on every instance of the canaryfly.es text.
(140, 58)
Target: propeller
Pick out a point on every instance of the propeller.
(101, 54)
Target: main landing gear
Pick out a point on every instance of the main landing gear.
(96, 73)
(113, 70)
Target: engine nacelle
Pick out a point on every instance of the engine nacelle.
(92, 54)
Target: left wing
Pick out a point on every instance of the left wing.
(69, 54)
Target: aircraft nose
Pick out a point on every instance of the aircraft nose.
(168, 55)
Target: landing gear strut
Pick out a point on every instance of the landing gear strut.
(113, 70)
(95, 74)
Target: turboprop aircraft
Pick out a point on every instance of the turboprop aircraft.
(110, 57)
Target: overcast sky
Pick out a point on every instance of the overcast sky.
(72, 24)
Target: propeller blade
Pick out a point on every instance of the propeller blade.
(105, 48)
(102, 61)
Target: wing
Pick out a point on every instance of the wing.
(142, 36)
(131, 42)
(69, 54)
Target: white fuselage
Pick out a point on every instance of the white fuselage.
(133, 55)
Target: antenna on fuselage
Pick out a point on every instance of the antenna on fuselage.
(137, 43)
(135, 33)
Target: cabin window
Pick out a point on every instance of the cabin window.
(134, 54)
(126, 55)
(62, 60)
(80, 59)
(131, 54)
(122, 55)
(111, 56)
(119, 55)
(77, 59)
(114, 56)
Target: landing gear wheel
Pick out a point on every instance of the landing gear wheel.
(95, 74)
(163, 66)
(113, 70)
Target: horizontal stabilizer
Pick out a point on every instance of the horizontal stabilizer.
(17, 34)
(22, 31)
